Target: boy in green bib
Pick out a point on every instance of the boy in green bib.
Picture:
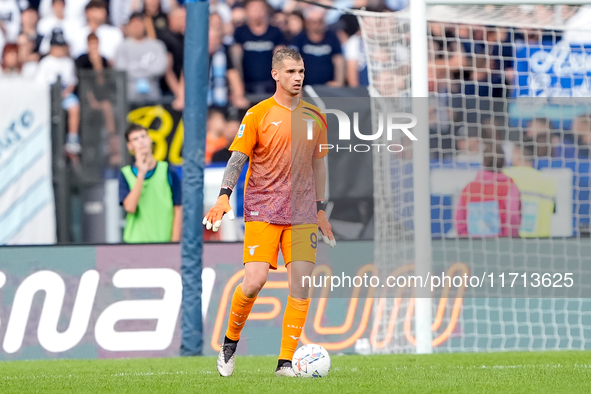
(150, 192)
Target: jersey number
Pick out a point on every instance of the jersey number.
(314, 240)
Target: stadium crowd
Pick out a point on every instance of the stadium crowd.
(42, 39)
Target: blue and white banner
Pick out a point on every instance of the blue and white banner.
(27, 209)
(553, 70)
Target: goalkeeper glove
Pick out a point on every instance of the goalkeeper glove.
(215, 214)
(326, 229)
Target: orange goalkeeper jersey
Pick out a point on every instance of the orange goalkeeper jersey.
(280, 186)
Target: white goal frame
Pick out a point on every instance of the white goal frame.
(421, 189)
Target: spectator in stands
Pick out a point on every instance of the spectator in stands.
(501, 49)
(54, 20)
(10, 20)
(577, 143)
(92, 60)
(100, 87)
(448, 65)
(468, 145)
(109, 36)
(238, 19)
(295, 24)
(99, 90)
(216, 127)
(538, 130)
(321, 50)
(538, 192)
(279, 20)
(489, 206)
(27, 57)
(253, 50)
(150, 192)
(222, 9)
(153, 10)
(440, 130)
(154, 18)
(58, 64)
(481, 81)
(29, 19)
(217, 24)
(223, 155)
(10, 65)
(223, 77)
(225, 84)
(121, 10)
(174, 39)
(353, 50)
(73, 13)
(144, 59)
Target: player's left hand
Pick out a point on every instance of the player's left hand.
(326, 229)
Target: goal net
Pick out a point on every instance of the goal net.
(510, 142)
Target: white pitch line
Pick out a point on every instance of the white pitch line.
(121, 374)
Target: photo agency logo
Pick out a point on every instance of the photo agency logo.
(391, 123)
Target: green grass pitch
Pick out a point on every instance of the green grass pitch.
(534, 372)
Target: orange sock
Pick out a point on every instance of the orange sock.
(293, 323)
(241, 307)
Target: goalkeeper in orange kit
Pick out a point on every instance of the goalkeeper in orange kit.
(282, 138)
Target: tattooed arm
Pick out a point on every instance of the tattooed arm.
(233, 170)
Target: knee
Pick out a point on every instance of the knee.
(299, 290)
(302, 293)
(252, 285)
(74, 110)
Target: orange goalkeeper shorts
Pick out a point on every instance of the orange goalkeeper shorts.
(263, 240)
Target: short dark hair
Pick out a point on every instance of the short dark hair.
(133, 128)
(136, 15)
(348, 23)
(95, 4)
(92, 36)
(285, 53)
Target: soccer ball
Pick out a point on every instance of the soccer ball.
(311, 361)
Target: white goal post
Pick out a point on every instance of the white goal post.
(422, 194)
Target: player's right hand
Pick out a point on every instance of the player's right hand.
(213, 218)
